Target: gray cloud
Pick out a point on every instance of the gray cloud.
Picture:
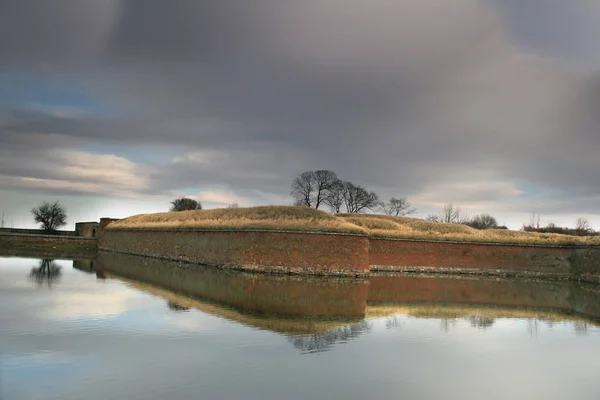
(405, 97)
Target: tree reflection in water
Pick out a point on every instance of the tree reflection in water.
(176, 307)
(48, 273)
(317, 342)
(581, 328)
(481, 322)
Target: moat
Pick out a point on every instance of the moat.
(130, 327)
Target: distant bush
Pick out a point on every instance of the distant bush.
(185, 204)
(483, 221)
(552, 228)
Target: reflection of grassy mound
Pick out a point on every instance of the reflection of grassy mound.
(284, 218)
(458, 311)
(414, 228)
(269, 218)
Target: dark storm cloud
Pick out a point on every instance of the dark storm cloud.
(406, 97)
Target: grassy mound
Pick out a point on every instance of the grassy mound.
(385, 226)
(285, 218)
(277, 218)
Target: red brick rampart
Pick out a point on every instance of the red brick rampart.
(339, 254)
(261, 251)
(480, 258)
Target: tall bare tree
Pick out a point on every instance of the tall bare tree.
(582, 226)
(357, 199)
(311, 188)
(303, 188)
(324, 181)
(398, 207)
(453, 214)
(51, 215)
(335, 197)
(534, 220)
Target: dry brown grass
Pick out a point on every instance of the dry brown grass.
(277, 218)
(285, 218)
(413, 228)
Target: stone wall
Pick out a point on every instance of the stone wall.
(50, 245)
(261, 251)
(86, 229)
(37, 232)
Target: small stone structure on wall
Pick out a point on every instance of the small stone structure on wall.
(86, 229)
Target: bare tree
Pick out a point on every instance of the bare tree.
(185, 204)
(453, 214)
(324, 181)
(311, 188)
(335, 197)
(398, 207)
(357, 199)
(582, 226)
(483, 221)
(233, 205)
(51, 215)
(534, 220)
(302, 189)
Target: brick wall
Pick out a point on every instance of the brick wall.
(279, 252)
(487, 258)
(331, 254)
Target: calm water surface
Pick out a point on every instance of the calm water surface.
(125, 328)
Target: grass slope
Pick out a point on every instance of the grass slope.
(286, 218)
(276, 218)
(384, 226)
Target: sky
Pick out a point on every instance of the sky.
(115, 108)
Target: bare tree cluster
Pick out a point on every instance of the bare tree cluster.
(398, 207)
(185, 204)
(582, 227)
(452, 214)
(323, 188)
(50, 215)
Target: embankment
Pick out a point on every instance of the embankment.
(57, 246)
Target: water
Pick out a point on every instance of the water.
(129, 328)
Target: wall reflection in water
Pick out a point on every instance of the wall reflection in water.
(317, 313)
